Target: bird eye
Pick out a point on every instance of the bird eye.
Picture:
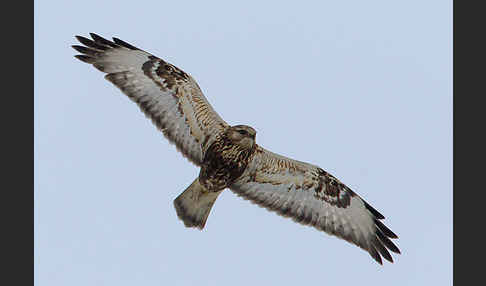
(242, 132)
(169, 68)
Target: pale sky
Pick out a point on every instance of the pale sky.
(362, 89)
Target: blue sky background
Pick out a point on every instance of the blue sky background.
(361, 88)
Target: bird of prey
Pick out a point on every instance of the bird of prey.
(229, 156)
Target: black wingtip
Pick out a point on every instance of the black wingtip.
(376, 213)
(95, 36)
(100, 40)
(124, 44)
(84, 50)
(387, 242)
(382, 250)
(91, 44)
(84, 58)
(375, 255)
(385, 229)
(83, 40)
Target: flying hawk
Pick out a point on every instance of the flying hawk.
(228, 155)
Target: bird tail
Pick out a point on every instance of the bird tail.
(194, 204)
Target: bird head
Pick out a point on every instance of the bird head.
(242, 135)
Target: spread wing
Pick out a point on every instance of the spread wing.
(311, 196)
(166, 94)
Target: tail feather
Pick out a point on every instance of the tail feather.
(194, 205)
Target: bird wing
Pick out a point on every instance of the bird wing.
(311, 196)
(166, 94)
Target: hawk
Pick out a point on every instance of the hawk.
(229, 156)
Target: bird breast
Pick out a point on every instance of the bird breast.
(223, 163)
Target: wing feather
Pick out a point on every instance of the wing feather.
(313, 197)
(167, 95)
